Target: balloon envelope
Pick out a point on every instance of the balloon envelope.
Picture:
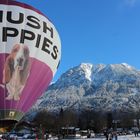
(30, 52)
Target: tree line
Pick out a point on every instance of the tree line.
(87, 119)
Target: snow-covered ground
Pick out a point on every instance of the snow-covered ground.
(128, 137)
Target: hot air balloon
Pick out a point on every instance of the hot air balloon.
(30, 51)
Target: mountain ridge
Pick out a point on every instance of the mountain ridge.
(97, 87)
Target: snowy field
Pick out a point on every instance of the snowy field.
(128, 137)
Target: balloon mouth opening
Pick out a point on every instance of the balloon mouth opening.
(7, 125)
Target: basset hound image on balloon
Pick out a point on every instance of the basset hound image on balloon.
(16, 71)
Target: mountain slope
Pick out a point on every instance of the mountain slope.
(95, 87)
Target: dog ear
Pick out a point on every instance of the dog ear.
(25, 72)
(27, 65)
(8, 70)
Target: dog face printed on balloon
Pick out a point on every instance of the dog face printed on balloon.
(16, 71)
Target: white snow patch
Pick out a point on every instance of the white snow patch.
(87, 67)
(126, 65)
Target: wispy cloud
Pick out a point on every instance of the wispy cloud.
(130, 3)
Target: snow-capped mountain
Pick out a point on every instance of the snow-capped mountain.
(95, 87)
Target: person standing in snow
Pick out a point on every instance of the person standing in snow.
(110, 136)
(136, 131)
(115, 135)
(106, 134)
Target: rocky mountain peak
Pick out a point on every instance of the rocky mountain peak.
(98, 87)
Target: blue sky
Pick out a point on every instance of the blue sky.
(94, 31)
